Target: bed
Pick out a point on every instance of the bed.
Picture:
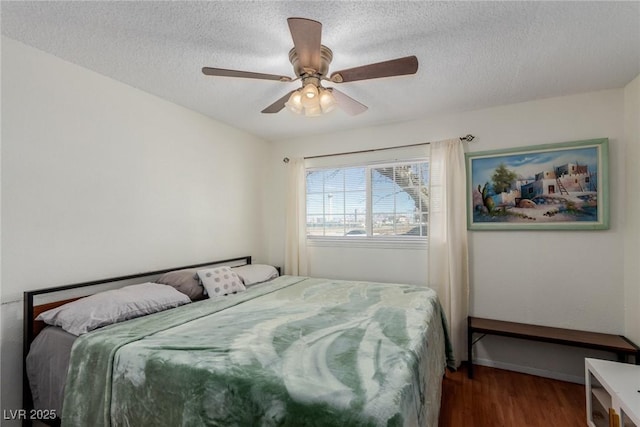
(291, 351)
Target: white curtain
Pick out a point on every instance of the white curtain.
(448, 249)
(295, 222)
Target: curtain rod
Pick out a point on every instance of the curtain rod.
(466, 138)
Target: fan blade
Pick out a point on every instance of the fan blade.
(348, 104)
(306, 35)
(394, 67)
(246, 74)
(278, 105)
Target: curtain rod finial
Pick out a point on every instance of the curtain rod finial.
(467, 138)
(286, 160)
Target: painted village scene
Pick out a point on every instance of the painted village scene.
(545, 187)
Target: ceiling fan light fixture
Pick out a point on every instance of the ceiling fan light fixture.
(299, 103)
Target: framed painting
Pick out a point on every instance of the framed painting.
(542, 187)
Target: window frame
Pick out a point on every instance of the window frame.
(369, 240)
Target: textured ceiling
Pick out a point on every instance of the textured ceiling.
(471, 54)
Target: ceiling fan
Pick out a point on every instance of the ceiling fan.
(310, 60)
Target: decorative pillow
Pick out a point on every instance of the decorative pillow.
(252, 274)
(108, 307)
(185, 281)
(220, 281)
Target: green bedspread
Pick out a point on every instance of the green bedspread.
(293, 352)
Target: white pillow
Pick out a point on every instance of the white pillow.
(256, 273)
(108, 307)
(220, 281)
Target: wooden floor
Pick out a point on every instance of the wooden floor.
(499, 398)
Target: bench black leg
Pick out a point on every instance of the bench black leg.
(469, 349)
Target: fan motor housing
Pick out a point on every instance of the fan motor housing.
(326, 55)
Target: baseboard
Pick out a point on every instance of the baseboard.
(531, 371)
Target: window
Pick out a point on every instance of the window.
(380, 201)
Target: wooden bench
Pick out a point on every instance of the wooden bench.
(617, 344)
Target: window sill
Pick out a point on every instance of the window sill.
(369, 242)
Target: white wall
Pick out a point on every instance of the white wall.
(583, 290)
(100, 179)
(632, 200)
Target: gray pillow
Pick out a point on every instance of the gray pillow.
(185, 281)
(252, 274)
(117, 305)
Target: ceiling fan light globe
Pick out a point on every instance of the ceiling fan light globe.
(294, 104)
(310, 91)
(327, 101)
(310, 102)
